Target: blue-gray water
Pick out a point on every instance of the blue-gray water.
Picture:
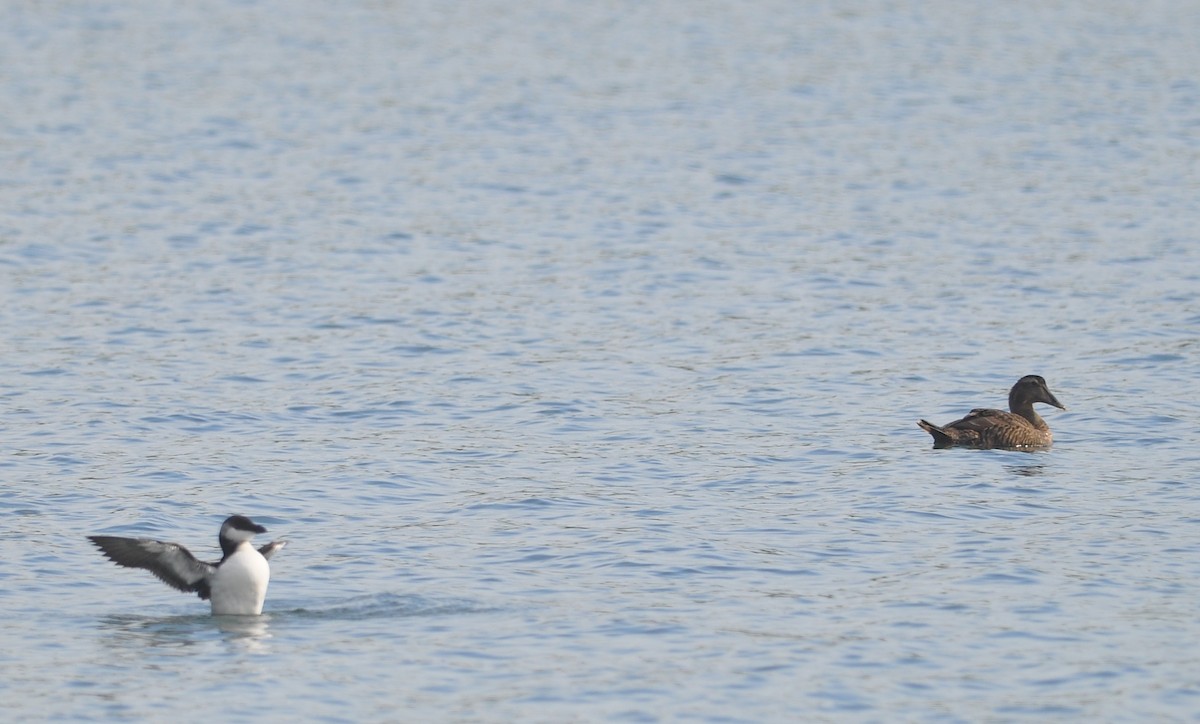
(577, 350)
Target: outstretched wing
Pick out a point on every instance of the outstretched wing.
(269, 549)
(170, 562)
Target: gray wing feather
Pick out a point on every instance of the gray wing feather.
(269, 549)
(170, 562)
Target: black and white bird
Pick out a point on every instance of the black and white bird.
(235, 585)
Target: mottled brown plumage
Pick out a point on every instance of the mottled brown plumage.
(985, 428)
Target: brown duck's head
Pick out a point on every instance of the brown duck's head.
(1030, 389)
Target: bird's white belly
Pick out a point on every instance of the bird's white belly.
(240, 584)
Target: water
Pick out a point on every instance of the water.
(577, 349)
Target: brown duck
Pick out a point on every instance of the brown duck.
(983, 428)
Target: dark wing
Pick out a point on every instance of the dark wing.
(269, 549)
(982, 418)
(986, 428)
(170, 562)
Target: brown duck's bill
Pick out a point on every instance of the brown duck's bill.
(1052, 400)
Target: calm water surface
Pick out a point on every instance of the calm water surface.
(577, 349)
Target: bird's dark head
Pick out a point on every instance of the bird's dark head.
(238, 528)
(1030, 389)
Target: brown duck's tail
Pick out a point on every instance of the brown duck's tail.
(941, 438)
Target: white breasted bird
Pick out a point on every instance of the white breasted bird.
(236, 584)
